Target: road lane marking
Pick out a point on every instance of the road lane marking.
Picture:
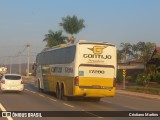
(30, 91)
(93, 114)
(41, 95)
(68, 105)
(26, 89)
(130, 107)
(106, 101)
(33, 92)
(52, 99)
(123, 106)
(4, 110)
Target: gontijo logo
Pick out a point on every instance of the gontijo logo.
(97, 49)
(97, 53)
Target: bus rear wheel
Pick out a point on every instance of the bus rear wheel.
(39, 88)
(58, 94)
(62, 93)
(63, 96)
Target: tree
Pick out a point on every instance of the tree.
(146, 50)
(119, 56)
(152, 69)
(54, 38)
(72, 25)
(126, 50)
(134, 49)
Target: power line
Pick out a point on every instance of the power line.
(19, 55)
(20, 52)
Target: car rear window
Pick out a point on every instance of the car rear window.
(12, 77)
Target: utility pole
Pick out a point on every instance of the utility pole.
(19, 60)
(28, 46)
(10, 64)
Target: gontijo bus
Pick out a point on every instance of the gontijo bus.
(84, 69)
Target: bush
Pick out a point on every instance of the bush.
(158, 77)
(143, 79)
(119, 78)
(153, 78)
(129, 79)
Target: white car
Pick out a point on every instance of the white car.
(11, 82)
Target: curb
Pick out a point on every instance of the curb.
(144, 95)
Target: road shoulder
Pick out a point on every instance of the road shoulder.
(144, 95)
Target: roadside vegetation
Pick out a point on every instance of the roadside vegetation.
(149, 90)
(149, 80)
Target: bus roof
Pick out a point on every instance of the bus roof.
(100, 43)
(78, 42)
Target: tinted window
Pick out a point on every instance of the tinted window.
(12, 77)
(60, 56)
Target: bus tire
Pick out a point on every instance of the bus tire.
(38, 85)
(63, 96)
(39, 88)
(58, 91)
(62, 92)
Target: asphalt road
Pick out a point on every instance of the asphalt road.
(32, 100)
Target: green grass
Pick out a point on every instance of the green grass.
(148, 90)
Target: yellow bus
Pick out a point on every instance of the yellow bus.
(84, 69)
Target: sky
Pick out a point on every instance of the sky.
(25, 22)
